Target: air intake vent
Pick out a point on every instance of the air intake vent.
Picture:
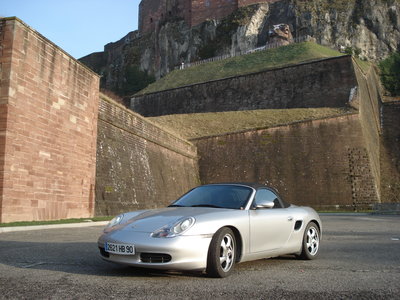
(297, 225)
(155, 258)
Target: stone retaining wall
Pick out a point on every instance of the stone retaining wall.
(139, 165)
(322, 163)
(322, 83)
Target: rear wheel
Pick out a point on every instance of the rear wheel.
(311, 241)
(222, 253)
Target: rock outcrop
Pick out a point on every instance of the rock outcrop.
(281, 35)
(371, 28)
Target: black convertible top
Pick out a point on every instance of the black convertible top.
(255, 186)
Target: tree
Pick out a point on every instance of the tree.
(390, 73)
(135, 80)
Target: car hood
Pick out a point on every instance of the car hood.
(151, 220)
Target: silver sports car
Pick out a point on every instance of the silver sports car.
(211, 228)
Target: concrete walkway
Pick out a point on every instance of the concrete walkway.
(52, 226)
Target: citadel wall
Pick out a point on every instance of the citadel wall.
(139, 165)
(208, 9)
(48, 126)
(380, 122)
(194, 12)
(323, 83)
(154, 12)
(369, 107)
(50, 114)
(321, 163)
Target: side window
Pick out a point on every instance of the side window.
(264, 194)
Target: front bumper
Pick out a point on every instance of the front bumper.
(177, 253)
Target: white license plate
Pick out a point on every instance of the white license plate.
(123, 249)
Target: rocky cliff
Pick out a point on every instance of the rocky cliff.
(370, 28)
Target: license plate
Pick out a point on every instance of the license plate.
(123, 249)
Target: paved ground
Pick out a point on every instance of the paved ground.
(360, 259)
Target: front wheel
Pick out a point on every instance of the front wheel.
(311, 241)
(222, 253)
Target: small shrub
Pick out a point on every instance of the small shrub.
(207, 51)
(353, 51)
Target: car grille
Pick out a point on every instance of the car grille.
(155, 258)
(104, 253)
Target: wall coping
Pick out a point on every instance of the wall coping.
(276, 126)
(309, 62)
(46, 40)
(390, 101)
(190, 153)
(129, 111)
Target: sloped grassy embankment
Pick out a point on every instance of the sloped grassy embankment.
(239, 65)
(191, 126)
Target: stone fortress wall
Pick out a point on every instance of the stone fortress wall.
(67, 151)
(349, 161)
(48, 125)
(53, 120)
(139, 165)
(322, 83)
(321, 163)
(154, 12)
(306, 161)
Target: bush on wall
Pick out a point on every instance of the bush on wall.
(390, 73)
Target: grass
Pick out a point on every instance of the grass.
(192, 126)
(245, 64)
(63, 221)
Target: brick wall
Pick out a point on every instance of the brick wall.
(139, 165)
(154, 12)
(48, 111)
(149, 14)
(5, 71)
(321, 163)
(211, 9)
(323, 83)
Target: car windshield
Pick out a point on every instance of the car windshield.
(219, 196)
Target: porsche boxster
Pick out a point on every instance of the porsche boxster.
(211, 228)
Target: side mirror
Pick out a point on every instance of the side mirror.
(264, 204)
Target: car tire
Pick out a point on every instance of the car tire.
(221, 253)
(311, 242)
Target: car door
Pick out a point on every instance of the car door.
(270, 228)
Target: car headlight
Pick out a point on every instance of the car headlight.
(174, 229)
(115, 221)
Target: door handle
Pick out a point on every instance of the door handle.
(290, 219)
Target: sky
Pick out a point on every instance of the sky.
(79, 27)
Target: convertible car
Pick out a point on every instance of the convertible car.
(211, 228)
